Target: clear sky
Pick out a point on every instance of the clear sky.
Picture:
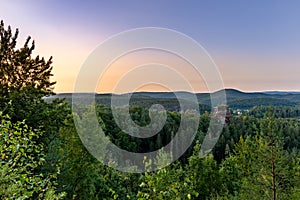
(255, 44)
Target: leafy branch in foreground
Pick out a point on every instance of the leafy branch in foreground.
(20, 163)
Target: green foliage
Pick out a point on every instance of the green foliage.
(42, 155)
(278, 111)
(170, 182)
(24, 80)
(203, 174)
(84, 177)
(267, 170)
(230, 177)
(21, 160)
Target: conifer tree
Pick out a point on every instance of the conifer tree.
(24, 82)
(268, 169)
(24, 79)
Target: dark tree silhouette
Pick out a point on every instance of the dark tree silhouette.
(24, 79)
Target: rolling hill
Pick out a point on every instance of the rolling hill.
(235, 99)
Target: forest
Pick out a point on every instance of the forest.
(42, 156)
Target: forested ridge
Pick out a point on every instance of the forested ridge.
(42, 156)
(235, 99)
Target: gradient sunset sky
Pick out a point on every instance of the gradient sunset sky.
(255, 44)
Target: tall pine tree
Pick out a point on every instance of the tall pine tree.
(24, 79)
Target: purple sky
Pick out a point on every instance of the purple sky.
(255, 44)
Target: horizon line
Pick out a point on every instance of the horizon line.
(178, 91)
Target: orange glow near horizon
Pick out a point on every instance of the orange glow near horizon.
(254, 52)
(152, 70)
(241, 78)
(237, 72)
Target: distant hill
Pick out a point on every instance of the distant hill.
(235, 99)
(280, 93)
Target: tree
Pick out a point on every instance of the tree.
(21, 159)
(203, 174)
(24, 79)
(24, 82)
(169, 182)
(268, 170)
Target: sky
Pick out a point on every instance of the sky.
(255, 44)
